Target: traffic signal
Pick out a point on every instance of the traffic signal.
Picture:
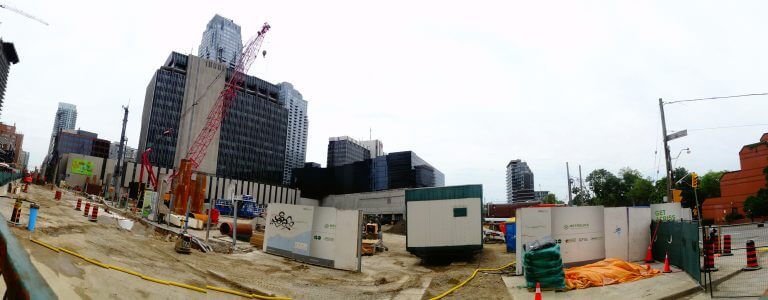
(677, 195)
(694, 179)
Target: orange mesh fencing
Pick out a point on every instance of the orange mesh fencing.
(605, 272)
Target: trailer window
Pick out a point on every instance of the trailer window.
(459, 211)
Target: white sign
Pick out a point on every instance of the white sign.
(666, 211)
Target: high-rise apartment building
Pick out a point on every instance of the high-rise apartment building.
(8, 56)
(296, 134)
(519, 182)
(24, 160)
(222, 41)
(344, 150)
(250, 144)
(66, 117)
(540, 195)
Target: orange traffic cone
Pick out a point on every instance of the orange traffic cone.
(538, 292)
(666, 264)
(649, 255)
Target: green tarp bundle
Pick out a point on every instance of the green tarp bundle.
(544, 266)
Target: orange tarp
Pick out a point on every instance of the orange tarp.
(605, 272)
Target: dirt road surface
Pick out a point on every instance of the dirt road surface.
(387, 275)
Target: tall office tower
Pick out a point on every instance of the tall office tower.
(250, 144)
(344, 150)
(222, 41)
(296, 136)
(129, 153)
(8, 56)
(519, 182)
(24, 160)
(66, 116)
(375, 147)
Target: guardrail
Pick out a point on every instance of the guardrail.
(22, 280)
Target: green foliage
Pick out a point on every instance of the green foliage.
(757, 206)
(640, 192)
(606, 187)
(709, 184)
(551, 199)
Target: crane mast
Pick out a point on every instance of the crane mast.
(18, 11)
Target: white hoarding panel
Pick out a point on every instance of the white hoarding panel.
(347, 247)
(531, 224)
(289, 230)
(580, 231)
(435, 223)
(639, 232)
(322, 236)
(616, 228)
(666, 211)
(687, 214)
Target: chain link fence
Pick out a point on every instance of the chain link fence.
(732, 280)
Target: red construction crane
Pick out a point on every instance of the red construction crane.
(219, 111)
(146, 165)
(184, 187)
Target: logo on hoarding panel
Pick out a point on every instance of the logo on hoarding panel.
(281, 221)
(575, 226)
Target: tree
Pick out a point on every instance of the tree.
(581, 197)
(606, 187)
(551, 199)
(757, 205)
(641, 192)
(709, 184)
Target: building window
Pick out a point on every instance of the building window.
(459, 212)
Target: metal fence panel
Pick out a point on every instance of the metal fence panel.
(731, 280)
(681, 240)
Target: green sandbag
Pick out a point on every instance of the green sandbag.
(552, 282)
(544, 264)
(543, 254)
(536, 273)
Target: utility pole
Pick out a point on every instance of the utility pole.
(666, 150)
(568, 173)
(117, 177)
(581, 182)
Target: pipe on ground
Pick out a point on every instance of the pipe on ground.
(243, 229)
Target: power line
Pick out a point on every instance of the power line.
(732, 126)
(717, 98)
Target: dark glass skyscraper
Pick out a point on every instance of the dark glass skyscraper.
(344, 150)
(221, 41)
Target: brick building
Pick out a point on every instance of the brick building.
(10, 144)
(737, 186)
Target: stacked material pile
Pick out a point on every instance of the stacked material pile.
(605, 272)
(543, 264)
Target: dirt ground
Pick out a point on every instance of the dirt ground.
(387, 275)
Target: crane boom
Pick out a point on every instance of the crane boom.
(220, 108)
(18, 11)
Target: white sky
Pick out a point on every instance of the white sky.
(468, 86)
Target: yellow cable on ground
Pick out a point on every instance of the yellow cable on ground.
(453, 289)
(157, 280)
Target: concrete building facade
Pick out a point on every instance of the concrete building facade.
(129, 153)
(375, 147)
(10, 144)
(249, 145)
(8, 56)
(519, 182)
(344, 150)
(222, 41)
(297, 129)
(737, 186)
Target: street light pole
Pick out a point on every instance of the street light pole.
(666, 150)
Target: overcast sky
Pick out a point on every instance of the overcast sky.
(466, 85)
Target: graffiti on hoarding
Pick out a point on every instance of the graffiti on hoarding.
(281, 221)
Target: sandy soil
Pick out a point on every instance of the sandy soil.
(385, 275)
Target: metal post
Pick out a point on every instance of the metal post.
(581, 182)
(568, 173)
(118, 176)
(208, 222)
(359, 240)
(666, 150)
(234, 222)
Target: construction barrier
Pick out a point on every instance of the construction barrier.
(709, 256)
(87, 209)
(94, 214)
(752, 264)
(156, 280)
(727, 245)
(79, 201)
(679, 239)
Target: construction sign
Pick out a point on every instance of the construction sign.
(82, 167)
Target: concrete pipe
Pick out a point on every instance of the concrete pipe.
(243, 229)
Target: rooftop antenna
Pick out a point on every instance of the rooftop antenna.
(370, 133)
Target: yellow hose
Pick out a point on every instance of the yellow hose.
(453, 289)
(157, 280)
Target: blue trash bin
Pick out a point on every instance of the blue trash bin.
(510, 236)
(33, 208)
